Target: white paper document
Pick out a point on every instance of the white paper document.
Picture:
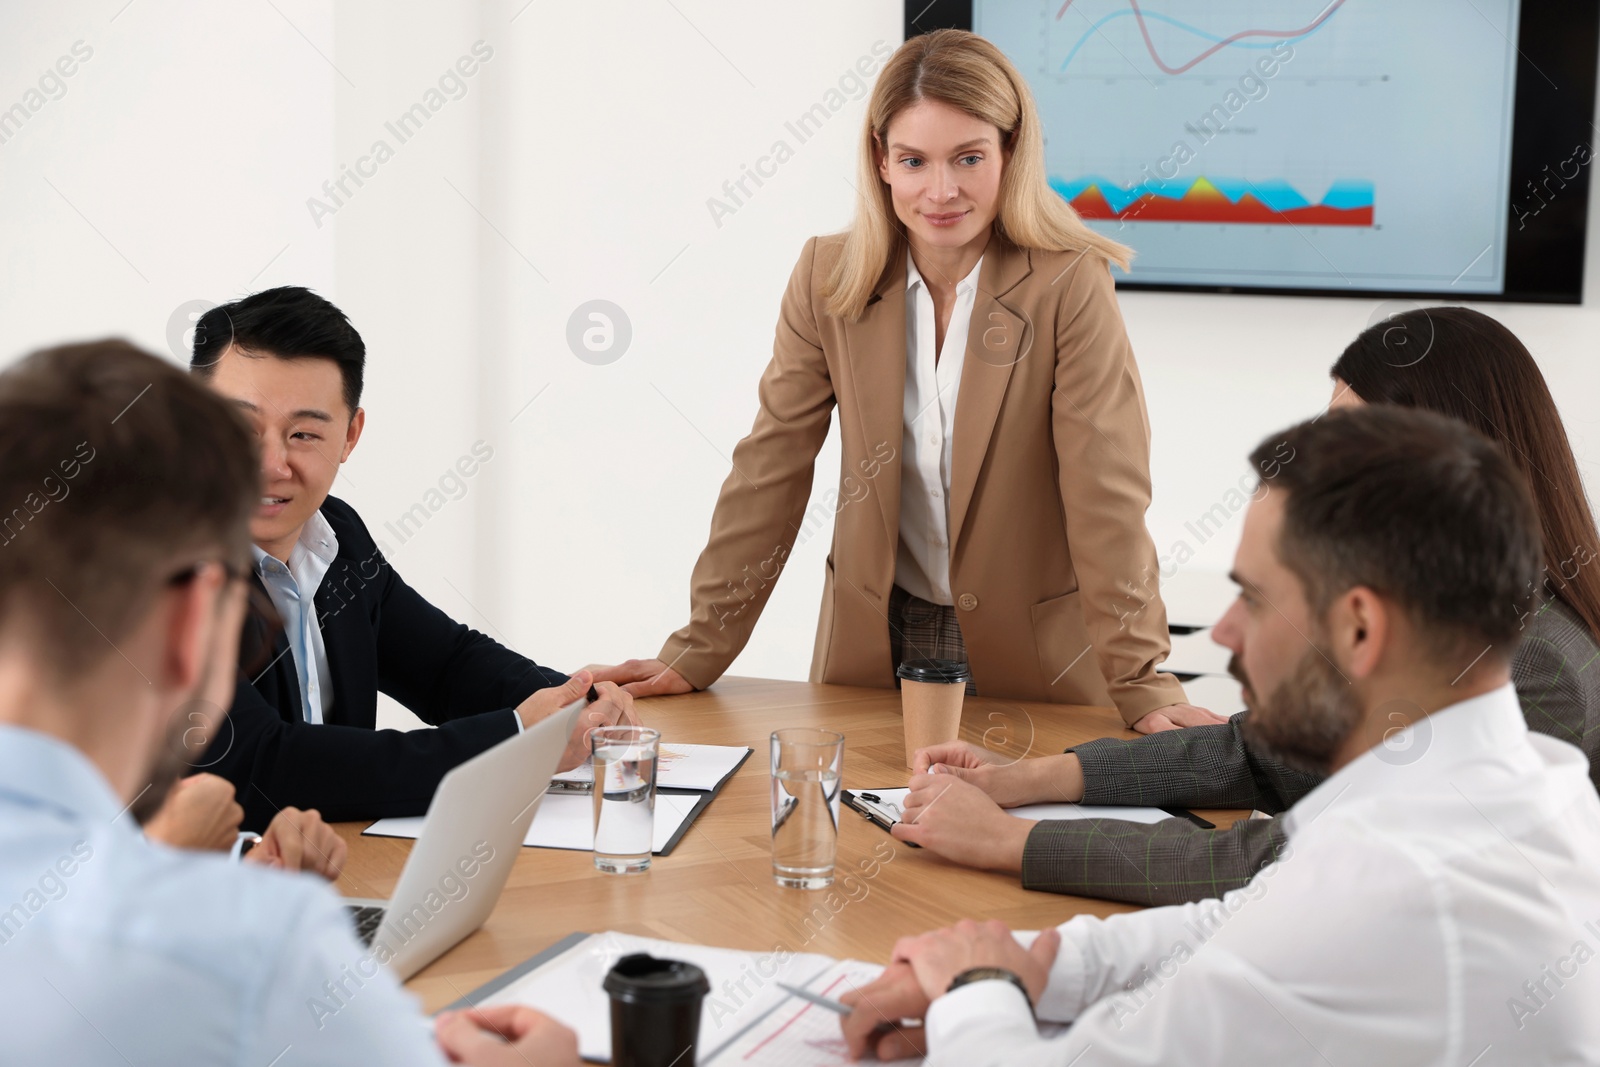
(564, 820)
(701, 767)
(801, 1034)
(744, 988)
(745, 1019)
(892, 803)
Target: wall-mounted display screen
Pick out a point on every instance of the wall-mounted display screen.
(1316, 145)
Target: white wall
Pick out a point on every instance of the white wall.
(610, 477)
(576, 166)
(167, 171)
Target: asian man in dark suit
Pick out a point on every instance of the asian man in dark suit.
(332, 623)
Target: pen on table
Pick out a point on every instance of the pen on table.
(1185, 813)
(815, 998)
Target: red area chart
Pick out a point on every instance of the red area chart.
(1203, 201)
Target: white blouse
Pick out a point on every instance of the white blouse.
(922, 567)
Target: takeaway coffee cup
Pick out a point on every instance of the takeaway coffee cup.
(655, 1011)
(930, 701)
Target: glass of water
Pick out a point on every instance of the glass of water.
(807, 767)
(624, 796)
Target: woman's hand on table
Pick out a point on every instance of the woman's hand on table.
(1008, 781)
(958, 821)
(645, 678)
(1175, 717)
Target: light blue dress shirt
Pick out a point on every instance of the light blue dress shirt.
(117, 951)
(293, 589)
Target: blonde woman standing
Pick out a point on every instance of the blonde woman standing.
(995, 462)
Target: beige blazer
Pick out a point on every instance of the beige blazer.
(1053, 572)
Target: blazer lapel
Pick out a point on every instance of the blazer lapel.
(876, 346)
(996, 339)
(274, 679)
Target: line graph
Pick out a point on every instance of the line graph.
(1239, 39)
(1256, 143)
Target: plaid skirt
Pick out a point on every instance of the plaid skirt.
(921, 629)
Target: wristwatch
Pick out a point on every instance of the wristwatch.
(244, 842)
(984, 974)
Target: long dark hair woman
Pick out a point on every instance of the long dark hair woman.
(1463, 363)
(1484, 376)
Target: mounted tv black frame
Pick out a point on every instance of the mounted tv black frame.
(1551, 146)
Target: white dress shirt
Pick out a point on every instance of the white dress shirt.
(115, 950)
(293, 589)
(1440, 911)
(922, 565)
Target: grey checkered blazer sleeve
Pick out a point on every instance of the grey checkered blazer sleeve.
(1173, 861)
(1556, 670)
(1557, 677)
(1200, 767)
(1169, 862)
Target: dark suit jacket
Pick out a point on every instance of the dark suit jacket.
(380, 635)
(1174, 861)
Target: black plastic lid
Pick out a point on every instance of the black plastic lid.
(938, 671)
(642, 977)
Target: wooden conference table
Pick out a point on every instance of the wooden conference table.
(716, 887)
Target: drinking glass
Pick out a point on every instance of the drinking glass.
(807, 767)
(624, 796)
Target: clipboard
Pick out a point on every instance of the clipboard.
(881, 813)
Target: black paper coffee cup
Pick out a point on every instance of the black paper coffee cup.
(655, 1011)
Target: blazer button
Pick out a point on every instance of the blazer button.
(967, 601)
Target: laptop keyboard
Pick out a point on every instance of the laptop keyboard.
(367, 918)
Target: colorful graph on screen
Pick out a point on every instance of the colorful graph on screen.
(1240, 38)
(1275, 143)
(1219, 200)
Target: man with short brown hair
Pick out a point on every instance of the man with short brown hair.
(1429, 886)
(122, 590)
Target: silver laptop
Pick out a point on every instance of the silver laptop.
(470, 838)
